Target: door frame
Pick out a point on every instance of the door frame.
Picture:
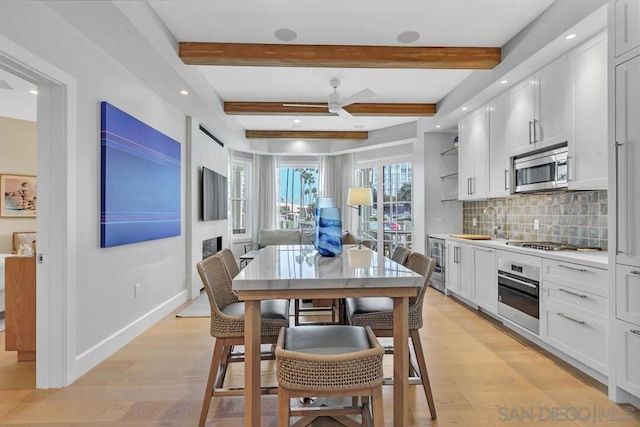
(55, 222)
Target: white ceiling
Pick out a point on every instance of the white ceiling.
(486, 23)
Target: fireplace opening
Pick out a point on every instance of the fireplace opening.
(211, 246)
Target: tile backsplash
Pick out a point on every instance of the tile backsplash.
(574, 217)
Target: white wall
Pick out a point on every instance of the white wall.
(203, 152)
(17, 157)
(105, 306)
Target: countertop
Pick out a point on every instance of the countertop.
(598, 259)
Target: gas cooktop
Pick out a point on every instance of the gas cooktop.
(553, 246)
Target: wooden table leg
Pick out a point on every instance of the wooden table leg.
(252, 326)
(400, 360)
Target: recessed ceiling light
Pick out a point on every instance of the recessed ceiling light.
(504, 82)
(570, 36)
(285, 35)
(33, 91)
(184, 92)
(438, 126)
(408, 36)
(464, 108)
(297, 120)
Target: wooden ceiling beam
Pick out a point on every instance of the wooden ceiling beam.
(338, 56)
(283, 134)
(362, 109)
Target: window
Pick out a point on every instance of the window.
(240, 179)
(298, 191)
(393, 210)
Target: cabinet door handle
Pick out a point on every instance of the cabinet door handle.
(535, 134)
(472, 185)
(635, 272)
(572, 293)
(581, 270)
(530, 140)
(620, 202)
(635, 331)
(581, 322)
(506, 179)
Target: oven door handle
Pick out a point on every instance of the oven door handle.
(517, 281)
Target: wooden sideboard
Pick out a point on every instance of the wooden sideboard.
(20, 306)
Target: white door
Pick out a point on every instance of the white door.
(486, 283)
(480, 149)
(628, 154)
(465, 258)
(520, 125)
(628, 294)
(452, 278)
(499, 168)
(551, 115)
(465, 157)
(588, 147)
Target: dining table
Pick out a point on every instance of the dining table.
(300, 272)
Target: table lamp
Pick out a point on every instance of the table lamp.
(357, 198)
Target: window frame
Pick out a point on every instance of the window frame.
(248, 232)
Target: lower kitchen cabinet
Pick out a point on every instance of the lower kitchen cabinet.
(576, 332)
(628, 354)
(628, 294)
(484, 276)
(460, 269)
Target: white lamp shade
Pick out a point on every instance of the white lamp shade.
(360, 196)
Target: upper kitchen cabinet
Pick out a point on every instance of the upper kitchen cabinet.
(588, 146)
(499, 167)
(539, 109)
(628, 157)
(473, 156)
(627, 26)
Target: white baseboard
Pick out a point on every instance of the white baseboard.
(99, 352)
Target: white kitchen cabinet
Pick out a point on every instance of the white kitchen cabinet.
(460, 269)
(627, 25)
(628, 355)
(574, 311)
(484, 276)
(452, 281)
(539, 109)
(628, 294)
(588, 147)
(628, 158)
(499, 153)
(473, 156)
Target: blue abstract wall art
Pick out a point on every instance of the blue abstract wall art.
(141, 181)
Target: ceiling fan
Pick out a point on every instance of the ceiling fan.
(335, 102)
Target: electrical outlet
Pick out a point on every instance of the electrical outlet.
(536, 224)
(136, 289)
(474, 222)
(439, 222)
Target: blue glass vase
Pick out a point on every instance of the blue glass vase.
(329, 232)
(321, 202)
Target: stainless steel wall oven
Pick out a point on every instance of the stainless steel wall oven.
(519, 293)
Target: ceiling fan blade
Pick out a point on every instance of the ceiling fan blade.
(357, 97)
(344, 114)
(306, 105)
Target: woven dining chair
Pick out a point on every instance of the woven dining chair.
(400, 255)
(377, 312)
(230, 262)
(325, 361)
(227, 327)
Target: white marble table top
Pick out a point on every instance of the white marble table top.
(300, 266)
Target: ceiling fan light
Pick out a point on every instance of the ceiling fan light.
(334, 107)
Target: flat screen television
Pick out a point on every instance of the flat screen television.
(214, 195)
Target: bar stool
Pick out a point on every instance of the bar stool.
(330, 360)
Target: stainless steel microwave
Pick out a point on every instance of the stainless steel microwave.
(546, 170)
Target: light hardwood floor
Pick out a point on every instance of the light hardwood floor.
(480, 375)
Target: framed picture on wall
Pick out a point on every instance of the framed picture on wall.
(19, 194)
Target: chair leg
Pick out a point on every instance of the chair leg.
(284, 407)
(296, 312)
(213, 373)
(377, 407)
(422, 364)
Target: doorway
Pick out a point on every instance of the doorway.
(55, 276)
